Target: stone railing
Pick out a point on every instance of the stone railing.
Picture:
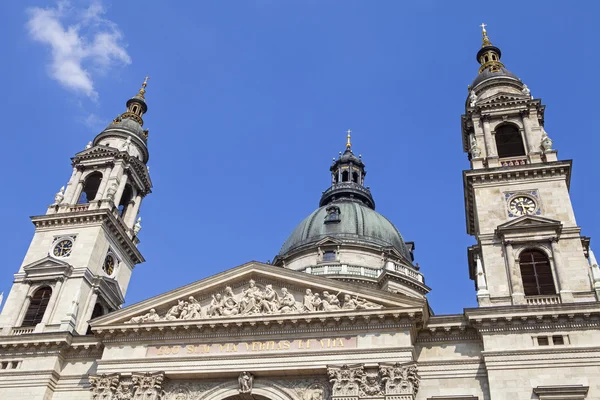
(409, 272)
(344, 269)
(79, 207)
(542, 300)
(22, 331)
(513, 161)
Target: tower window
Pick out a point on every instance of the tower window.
(355, 177)
(536, 273)
(329, 255)
(509, 141)
(97, 312)
(90, 188)
(37, 307)
(125, 200)
(345, 176)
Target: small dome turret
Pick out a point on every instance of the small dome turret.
(489, 57)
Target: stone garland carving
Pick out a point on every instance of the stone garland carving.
(254, 301)
(354, 381)
(146, 386)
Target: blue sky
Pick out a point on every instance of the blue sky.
(250, 100)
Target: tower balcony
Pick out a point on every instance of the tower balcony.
(513, 161)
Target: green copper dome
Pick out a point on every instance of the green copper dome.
(356, 224)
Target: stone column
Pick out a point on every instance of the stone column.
(514, 269)
(121, 188)
(566, 296)
(74, 188)
(533, 152)
(89, 309)
(132, 211)
(490, 145)
(24, 309)
(102, 188)
(70, 187)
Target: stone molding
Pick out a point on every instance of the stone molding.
(568, 392)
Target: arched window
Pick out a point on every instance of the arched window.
(355, 177)
(125, 200)
(97, 312)
(345, 176)
(37, 307)
(90, 188)
(536, 273)
(509, 142)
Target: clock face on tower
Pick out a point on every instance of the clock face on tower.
(109, 265)
(63, 248)
(522, 205)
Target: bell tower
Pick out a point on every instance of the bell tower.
(84, 248)
(529, 247)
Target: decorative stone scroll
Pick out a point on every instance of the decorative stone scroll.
(146, 386)
(256, 301)
(396, 381)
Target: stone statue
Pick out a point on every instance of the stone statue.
(546, 143)
(474, 149)
(248, 303)
(194, 309)
(245, 380)
(112, 190)
(230, 304)
(330, 302)
(60, 196)
(308, 301)
(127, 144)
(472, 99)
(89, 145)
(526, 91)
(315, 391)
(174, 311)
(138, 226)
(287, 303)
(149, 317)
(270, 300)
(215, 309)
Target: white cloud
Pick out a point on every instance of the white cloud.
(82, 44)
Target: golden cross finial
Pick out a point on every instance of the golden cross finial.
(348, 144)
(485, 39)
(145, 81)
(143, 88)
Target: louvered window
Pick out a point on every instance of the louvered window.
(536, 273)
(37, 307)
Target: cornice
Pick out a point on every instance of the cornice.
(266, 325)
(92, 217)
(51, 343)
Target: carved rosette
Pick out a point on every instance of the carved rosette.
(146, 386)
(390, 381)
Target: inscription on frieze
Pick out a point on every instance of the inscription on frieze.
(267, 346)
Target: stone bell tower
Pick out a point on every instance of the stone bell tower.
(84, 248)
(529, 247)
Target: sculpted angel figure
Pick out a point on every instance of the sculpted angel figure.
(230, 304)
(287, 302)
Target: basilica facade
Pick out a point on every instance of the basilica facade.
(341, 313)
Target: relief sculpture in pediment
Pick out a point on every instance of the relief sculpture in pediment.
(254, 300)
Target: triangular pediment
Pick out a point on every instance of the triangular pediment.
(47, 268)
(255, 291)
(329, 241)
(97, 151)
(502, 99)
(530, 222)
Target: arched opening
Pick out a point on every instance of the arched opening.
(90, 188)
(125, 200)
(536, 273)
(355, 177)
(37, 306)
(509, 142)
(345, 176)
(97, 312)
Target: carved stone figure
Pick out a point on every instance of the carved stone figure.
(138, 226)
(127, 144)
(230, 304)
(89, 145)
(215, 308)
(112, 190)
(474, 149)
(151, 316)
(60, 196)
(472, 99)
(246, 381)
(546, 143)
(315, 391)
(526, 91)
(253, 301)
(370, 385)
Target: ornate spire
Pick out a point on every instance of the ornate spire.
(136, 106)
(348, 143)
(489, 55)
